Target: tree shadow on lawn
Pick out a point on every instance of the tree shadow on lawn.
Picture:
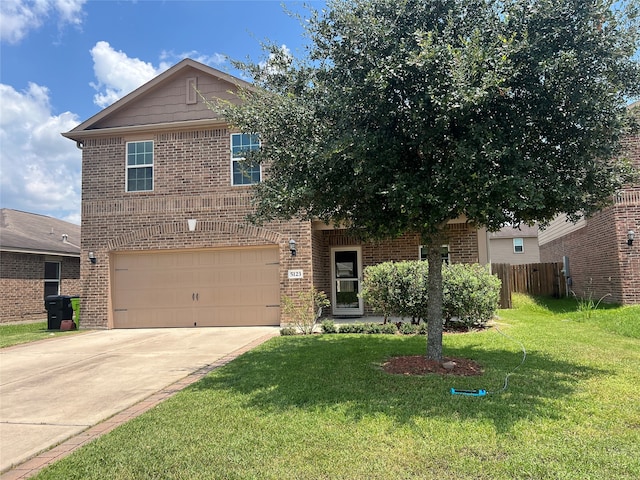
(345, 373)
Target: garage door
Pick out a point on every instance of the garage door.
(196, 288)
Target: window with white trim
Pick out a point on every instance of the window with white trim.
(140, 166)
(444, 253)
(241, 172)
(518, 245)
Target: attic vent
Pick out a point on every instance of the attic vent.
(65, 238)
(192, 95)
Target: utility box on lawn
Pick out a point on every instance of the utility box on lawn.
(58, 309)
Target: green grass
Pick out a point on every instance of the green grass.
(320, 407)
(15, 334)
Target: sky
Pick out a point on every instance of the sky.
(62, 61)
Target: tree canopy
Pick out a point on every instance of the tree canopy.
(405, 114)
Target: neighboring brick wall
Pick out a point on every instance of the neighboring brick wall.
(593, 254)
(22, 284)
(601, 263)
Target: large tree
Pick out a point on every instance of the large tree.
(405, 114)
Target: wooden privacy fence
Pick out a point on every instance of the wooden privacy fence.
(532, 278)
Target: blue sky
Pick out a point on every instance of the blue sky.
(62, 61)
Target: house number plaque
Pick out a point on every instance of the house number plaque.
(295, 274)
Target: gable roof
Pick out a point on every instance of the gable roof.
(94, 124)
(33, 233)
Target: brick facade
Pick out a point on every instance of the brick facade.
(22, 284)
(601, 263)
(462, 240)
(192, 180)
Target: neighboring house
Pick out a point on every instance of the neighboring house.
(39, 256)
(515, 245)
(599, 261)
(164, 207)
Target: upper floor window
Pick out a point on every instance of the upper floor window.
(140, 166)
(241, 172)
(444, 253)
(518, 245)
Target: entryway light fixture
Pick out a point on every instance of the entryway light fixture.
(92, 257)
(630, 236)
(292, 247)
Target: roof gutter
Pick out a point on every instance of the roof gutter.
(39, 252)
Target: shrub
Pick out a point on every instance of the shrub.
(396, 289)
(379, 289)
(408, 328)
(368, 328)
(470, 295)
(351, 328)
(372, 328)
(470, 292)
(305, 310)
(288, 331)
(389, 329)
(328, 326)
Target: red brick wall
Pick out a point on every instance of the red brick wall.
(22, 284)
(192, 180)
(462, 239)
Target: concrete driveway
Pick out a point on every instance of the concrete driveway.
(52, 390)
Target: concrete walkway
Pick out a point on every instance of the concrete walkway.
(53, 392)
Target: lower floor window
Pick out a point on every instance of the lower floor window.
(444, 253)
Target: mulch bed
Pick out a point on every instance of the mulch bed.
(419, 365)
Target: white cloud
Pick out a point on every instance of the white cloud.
(117, 74)
(19, 17)
(169, 58)
(40, 171)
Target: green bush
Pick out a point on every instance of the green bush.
(408, 328)
(396, 288)
(470, 293)
(389, 329)
(379, 289)
(368, 328)
(351, 328)
(328, 326)
(288, 331)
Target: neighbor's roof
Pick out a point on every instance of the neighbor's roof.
(32, 233)
(515, 232)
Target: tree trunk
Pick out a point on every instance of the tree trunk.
(434, 307)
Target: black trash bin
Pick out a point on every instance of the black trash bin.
(58, 308)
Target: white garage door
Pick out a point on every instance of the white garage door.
(196, 288)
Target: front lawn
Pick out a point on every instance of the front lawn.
(320, 407)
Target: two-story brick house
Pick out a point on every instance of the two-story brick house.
(164, 206)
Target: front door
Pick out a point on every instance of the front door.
(346, 271)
